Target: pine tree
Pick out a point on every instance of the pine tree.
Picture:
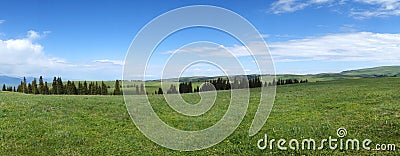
(159, 91)
(60, 86)
(97, 89)
(137, 90)
(117, 90)
(80, 88)
(29, 90)
(53, 89)
(68, 88)
(45, 89)
(103, 88)
(9, 88)
(142, 89)
(85, 88)
(34, 87)
(90, 89)
(4, 87)
(41, 85)
(24, 87)
(172, 90)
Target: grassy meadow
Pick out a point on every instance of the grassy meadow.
(100, 125)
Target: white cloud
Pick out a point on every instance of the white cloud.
(2, 21)
(380, 8)
(374, 8)
(265, 35)
(23, 56)
(32, 35)
(353, 47)
(361, 46)
(287, 6)
(26, 57)
(115, 62)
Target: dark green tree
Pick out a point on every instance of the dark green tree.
(29, 88)
(117, 89)
(172, 90)
(24, 86)
(34, 87)
(46, 89)
(160, 91)
(103, 88)
(142, 89)
(59, 86)
(137, 90)
(41, 85)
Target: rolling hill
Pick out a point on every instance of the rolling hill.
(383, 71)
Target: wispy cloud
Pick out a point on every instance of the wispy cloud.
(287, 6)
(353, 46)
(115, 62)
(361, 46)
(2, 21)
(373, 8)
(378, 8)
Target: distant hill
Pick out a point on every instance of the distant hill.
(383, 71)
(9, 81)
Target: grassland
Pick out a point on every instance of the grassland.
(100, 125)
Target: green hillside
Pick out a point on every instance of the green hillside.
(100, 125)
(383, 71)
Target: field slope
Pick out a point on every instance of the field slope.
(100, 125)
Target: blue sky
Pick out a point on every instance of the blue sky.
(89, 39)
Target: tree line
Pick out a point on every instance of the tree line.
(59, 88)
(94, 88)
(225, 84)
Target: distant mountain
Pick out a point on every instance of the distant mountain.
(15, 81)
(383, 71)
(9, 81)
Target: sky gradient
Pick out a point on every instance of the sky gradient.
(89, 39)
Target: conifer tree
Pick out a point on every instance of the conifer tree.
(4, 87)
(117, 90)
(59, 86)
(29, 91)
(103, 88)
(34, 87)
(24, 87)
(137, 90)
(85, 88)
(80, 88)
(172, 90)
(41, 85)
(9, 88)
(45, 89)
(159, 91)
(142, 89)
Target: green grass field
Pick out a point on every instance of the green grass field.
(100, 125)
